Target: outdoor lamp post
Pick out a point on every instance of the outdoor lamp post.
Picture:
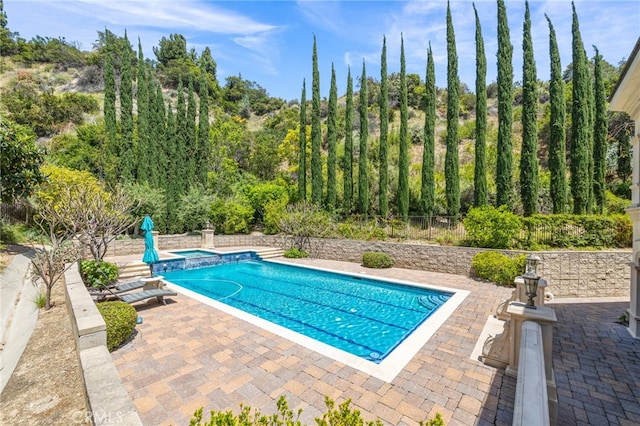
(531, 279)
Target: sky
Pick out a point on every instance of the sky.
(271, 42)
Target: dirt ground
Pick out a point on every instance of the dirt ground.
(46, 386)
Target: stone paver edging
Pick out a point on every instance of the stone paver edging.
(107, 400)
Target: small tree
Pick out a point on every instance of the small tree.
(53, 256)
(304, 221)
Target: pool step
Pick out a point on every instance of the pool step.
(133, 270)
(269, 253)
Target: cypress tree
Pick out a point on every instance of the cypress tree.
(529, 153)
(504, 165)
(331, 139)
(142, 105)
(452, 179)
(153, 177)
(600, 130)
(557, 144)
(173, 188)
(127, 162)
(202, 155)
(316, 133)
(180, 140)
(302, 162)
(403, 160)
(580, 115)
(363, 175)
(480, 169)
(383, 200)
(110, 124)
(348, 147)
(191, 143)
(591, 121)
(427, 189)
(160, 135)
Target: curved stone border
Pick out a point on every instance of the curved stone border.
(106, 398)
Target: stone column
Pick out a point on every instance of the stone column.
(156, 240)
(207, 238)
(634, 212)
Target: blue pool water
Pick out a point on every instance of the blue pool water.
(362, 316)
(193, 253)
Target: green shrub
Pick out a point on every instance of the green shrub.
(120, 319)
(498, 267)
(13, 234)
(274, 211)
(343, 415)
(295, 253)
(376, 259)
(577, 231)
(492, 228)
(94, 273)
(232, 216)
(358, 230)
(615, 204)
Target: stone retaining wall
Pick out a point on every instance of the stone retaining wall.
(569, 273)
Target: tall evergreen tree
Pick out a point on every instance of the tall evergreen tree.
(427, 189)
(403, 160)
(331, 139)
(191, 142)
(302, 161)
(580, 116)
(591, 121)
(451, 174)
(557, 143)
(348, 147)
(180, 141)
(153, 176)
(601, 126)
(504, 166)
(363, 163)
(383, 200)
(142, 105)
(202, 155)
(529, 153)
(316, 133)
(480, 169)
(173, 189)
(159, 134)
(110, 124)
(127, 161)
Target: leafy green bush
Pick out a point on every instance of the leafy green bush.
(232, 216)
(120, 319)
(498, 267)
(567, 230)
(357, 230)
(94, 273)
(303, 221)
(295, 253)
(343, 415)
(492, 228)
(274, 211)
(13, 234)
(616, 204)
(376, 259)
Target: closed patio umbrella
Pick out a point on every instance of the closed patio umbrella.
(150, 254)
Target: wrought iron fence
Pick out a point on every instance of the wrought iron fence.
(16, 212)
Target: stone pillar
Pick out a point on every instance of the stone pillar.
(519, 294)
(546, 317)
(156, 239)
(207, 238)
(634, 212)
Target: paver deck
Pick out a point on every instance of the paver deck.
(187, 355)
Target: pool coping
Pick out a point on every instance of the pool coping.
(386, 370)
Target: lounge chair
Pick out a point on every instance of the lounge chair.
(105, 290)
(137, 296)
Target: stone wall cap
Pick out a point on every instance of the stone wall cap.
(540, 314)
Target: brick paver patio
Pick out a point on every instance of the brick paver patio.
(188, 355)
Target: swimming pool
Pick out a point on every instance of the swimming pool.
(370, 320)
